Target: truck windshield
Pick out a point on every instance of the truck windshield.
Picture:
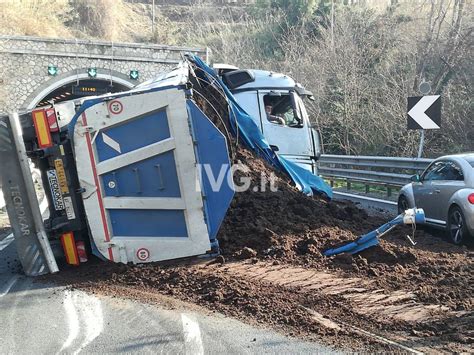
(283, 109)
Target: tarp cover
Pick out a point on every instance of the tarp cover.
(249, 132)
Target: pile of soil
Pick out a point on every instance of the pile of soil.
(269, 221)
(290, 230)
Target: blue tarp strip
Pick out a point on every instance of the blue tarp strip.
(249, 132)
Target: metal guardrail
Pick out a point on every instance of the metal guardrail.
(371, 170)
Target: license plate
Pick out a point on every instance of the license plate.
(55, 190)
(69, 208)
(61, 174)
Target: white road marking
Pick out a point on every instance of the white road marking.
(6, 242)
(72, 320)
(192, 335)
(91, 311)
(9, 285)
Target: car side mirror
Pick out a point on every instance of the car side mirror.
(415, 178)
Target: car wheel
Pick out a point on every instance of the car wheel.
(403, 204)
(457, 231)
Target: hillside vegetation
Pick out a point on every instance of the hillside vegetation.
(360, 61)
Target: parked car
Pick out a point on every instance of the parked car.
(445, 191)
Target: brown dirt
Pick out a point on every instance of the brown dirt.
(272, 272)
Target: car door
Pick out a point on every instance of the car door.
(451, 179)
(423, 190)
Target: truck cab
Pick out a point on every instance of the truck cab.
(276, 104)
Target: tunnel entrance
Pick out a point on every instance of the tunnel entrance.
(81, 88)
(76, 84)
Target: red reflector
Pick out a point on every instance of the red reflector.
(470, 198)
(69, 247)
(42, 129)
(81, 251)
(52, 120)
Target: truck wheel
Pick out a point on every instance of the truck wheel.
(457, 231)
(402, 204)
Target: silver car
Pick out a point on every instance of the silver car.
(445, 191)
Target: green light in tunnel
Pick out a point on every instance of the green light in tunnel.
(52, 70)
(92, 72)
(134, 74)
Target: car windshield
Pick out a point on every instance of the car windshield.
(471, 162)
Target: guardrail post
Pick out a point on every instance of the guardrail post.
(348, 184)
(389, 191)
(367, 188)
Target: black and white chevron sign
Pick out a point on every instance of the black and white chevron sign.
(424, 112)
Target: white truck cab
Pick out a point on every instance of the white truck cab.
(276, 104)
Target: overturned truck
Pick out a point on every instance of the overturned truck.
(143, 175)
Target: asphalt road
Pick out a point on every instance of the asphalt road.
(46, 319)
(371, 204)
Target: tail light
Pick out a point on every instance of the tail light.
(52, 119)
(43, 134)
(81, 251)
(69, 247)
(470, 198)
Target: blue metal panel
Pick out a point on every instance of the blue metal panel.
(212, 151)
(153, 177)
(151, 128)
(148, 223)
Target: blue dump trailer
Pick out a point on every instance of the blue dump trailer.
(143, 175)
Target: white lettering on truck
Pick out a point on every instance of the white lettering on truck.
(55, 190)
(20, 211)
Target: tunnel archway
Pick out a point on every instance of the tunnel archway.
(77, 83)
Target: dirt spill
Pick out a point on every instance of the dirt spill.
(421, 296)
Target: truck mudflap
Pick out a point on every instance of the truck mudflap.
(34, 250)
(137, 158)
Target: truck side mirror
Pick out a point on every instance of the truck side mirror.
(316, 134)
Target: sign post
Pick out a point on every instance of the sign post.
(422, 142)
(424, 112)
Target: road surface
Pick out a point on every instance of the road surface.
(47, 319)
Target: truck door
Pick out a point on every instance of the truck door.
(137, 169)
(286, 127)
(248, 100)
